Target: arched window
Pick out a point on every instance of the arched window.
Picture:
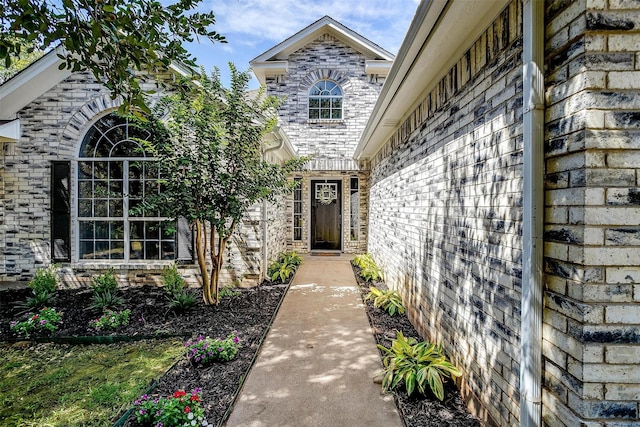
(325, 100)
(114, 175)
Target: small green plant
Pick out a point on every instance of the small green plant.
(389, 300)
(207, 350)
(416, 365)
(182, 301)
(111, 320)
(105, 282)
(280, 271)
(290, 258)
(229, 291)
(369, 270)
(105, 291)
(46, 319)
(104, 300)
(43, 287)
(178, 409)
(173, 281)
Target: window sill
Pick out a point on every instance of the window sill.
(325, 121)
(121, 265)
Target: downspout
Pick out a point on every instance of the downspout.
(265, 231)
(533, 215)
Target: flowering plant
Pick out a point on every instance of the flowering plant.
(111, 319)
(45, 319)
(206, 350)
(178, 409)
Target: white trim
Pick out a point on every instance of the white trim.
(274, 61)
(10, 131)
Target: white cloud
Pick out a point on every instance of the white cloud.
(252, 22)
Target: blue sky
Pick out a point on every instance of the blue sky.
(254, 26)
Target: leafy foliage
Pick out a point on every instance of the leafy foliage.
(211, 161)
(43, 287)
(112, 39)
(105, 291)
(46, 319)
(111, 320)
(178, 409)
(106, 299)
(229, 291)
(416, 365)
(105, 282)
(28, 53)
(180, 299)
(369, 270)
(202, 351)
(286, 264)
(389, 300)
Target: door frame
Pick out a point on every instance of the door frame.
(313, 179)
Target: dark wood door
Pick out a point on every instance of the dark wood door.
(326, 218)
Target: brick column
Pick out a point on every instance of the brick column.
(591, 342)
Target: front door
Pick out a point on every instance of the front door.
(326, 208)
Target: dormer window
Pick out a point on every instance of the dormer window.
(325, 101)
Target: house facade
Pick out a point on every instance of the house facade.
(329, 78)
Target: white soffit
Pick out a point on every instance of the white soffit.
(441, 31)
(274, 61)
(10, 131)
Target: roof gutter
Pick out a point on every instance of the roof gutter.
(533, 215)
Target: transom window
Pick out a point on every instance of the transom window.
(114, 175)
(325, 100)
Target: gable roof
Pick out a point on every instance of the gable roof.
(274, 61)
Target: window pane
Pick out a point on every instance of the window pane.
(168, 250)
(152, 230)
(325, 114)
(100, 208)
(117, 249)
(101, 230)
(135, 250)
(86, 230)
(152, 250)
(85, 189)
(314, 103)
(314, 114)
(84, 208)
(101, 251)
(336, 114)
(86, 249)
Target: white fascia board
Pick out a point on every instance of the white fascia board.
(265, 69)
(441, 31)
(31, 83)
(10, 131)
(377, 66)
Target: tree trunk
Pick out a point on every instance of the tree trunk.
(201, 248)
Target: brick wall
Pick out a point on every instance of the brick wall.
(446, 215)
(592, 254)
(52, 128)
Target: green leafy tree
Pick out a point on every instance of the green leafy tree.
(28, 53)
(213, 166)
(113, 39)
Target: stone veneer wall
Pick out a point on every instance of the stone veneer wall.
(52, 127)
(592, 233)
(446, 215)
(331, 143)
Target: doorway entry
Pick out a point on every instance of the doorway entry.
(326, 214)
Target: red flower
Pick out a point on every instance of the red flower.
(194, 398)
(187, 409)
(178, 394)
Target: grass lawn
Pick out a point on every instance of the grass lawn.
(82, 385)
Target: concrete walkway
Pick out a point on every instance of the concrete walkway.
(317, 363)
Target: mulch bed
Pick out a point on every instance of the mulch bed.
(250, 314)
(415, 410)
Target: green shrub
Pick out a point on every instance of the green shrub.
(290, 258)
(369, 270)
(46, 319)
(228, 291)
(182, 301)
(105, 282)
(283, 268)
(202, 351)
(173, 282)
(43, 287)
(111, 320)
(389, 300)
(416, 365)
(106, 299)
